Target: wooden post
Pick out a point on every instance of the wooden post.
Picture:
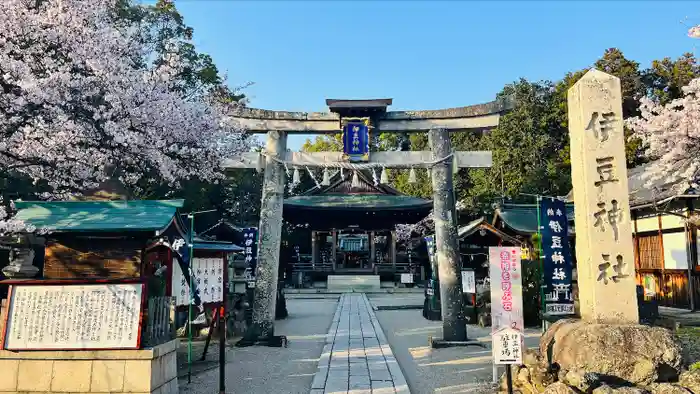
(393, 251)
(691, 251)
(270, 232)
(454, 325)
(314, 249)
(334, 249)
(372, 250)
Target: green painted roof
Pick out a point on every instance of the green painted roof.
(98, 216)
(357, 201)
(522, 218)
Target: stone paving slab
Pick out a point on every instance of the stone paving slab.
(357, 358)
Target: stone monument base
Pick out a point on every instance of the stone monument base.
(580, 357)
(152, 370)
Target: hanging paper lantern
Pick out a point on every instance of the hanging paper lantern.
(297, 177)
(412, 176)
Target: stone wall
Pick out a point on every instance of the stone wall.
(151, 370)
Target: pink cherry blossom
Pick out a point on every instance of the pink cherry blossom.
(672, 135)
(79, 98)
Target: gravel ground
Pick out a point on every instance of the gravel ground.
(263, 370)
(450, 370)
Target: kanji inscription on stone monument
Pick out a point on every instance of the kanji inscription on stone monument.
(601, 200)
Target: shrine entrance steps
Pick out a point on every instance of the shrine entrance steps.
(357, 356)
(353, 283)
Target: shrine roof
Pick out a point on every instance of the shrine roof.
(481, 224)
(522, 218)
(643, 193)
(218, 246)
(357, 202)
(99, 216)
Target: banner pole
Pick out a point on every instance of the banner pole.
(540, 258)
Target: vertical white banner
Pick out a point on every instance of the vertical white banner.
(505, 274)
(507, 326)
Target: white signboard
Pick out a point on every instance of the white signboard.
(208, 277)
(506, 288)
(99, 316)
(406, 278)
(507, 346)
(468, 282)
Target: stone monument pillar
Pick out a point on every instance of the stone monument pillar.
(604, 251)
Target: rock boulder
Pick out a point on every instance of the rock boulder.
(619, 354)
(690, 380)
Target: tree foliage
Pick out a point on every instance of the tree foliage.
(531, 153)
(98, 89)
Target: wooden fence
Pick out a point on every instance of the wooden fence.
(160, 321)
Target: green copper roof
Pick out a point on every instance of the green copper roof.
(356, 201)
(89, 216)
(522, 218)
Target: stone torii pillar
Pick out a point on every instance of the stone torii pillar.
(269, 235)
(454, 323)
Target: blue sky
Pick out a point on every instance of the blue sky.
(423, 54)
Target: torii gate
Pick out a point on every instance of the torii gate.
(440, 159)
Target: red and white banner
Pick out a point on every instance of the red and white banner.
(506, 289)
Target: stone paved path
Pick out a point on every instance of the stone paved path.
(357, 358)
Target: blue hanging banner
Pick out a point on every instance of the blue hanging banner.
(250, 245)
(433, 281)
(559, 299)
(356, 139)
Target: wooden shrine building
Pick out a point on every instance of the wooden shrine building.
(128, 239)
(351, 228)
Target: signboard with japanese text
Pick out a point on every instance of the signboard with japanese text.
(557, 265)
(208, 278)
(406, 278)
(250, 253)
(62, 317)
(468, 282)
(505, 275)
(356, 138)
(507, 347)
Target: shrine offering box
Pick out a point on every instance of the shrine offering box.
(58, 315)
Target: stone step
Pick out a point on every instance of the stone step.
(359, 283)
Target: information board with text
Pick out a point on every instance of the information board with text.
(94, 316)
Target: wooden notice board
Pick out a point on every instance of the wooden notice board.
(74, 317)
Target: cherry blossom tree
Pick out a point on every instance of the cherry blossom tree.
(80, 102)
(671, 134)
